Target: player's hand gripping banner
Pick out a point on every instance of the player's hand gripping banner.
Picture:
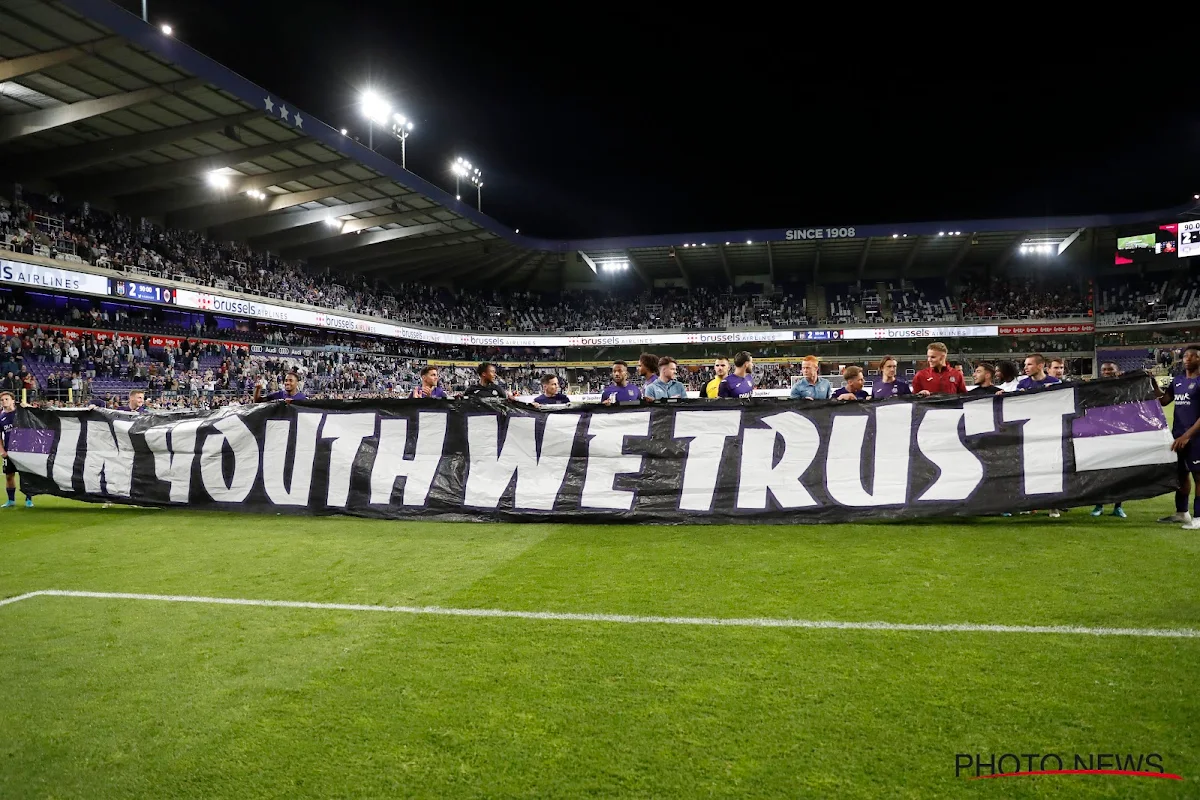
(718, 461)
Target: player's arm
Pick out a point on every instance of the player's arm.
(1164, 398)
(258, 387)
(923, 392)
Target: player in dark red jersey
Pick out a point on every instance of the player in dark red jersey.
(939, 377)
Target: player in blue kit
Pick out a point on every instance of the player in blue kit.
(621, 390)
(1185, 394)
(8, 421)
(550, 395)
(738, 383)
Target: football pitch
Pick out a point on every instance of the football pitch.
(117, 697)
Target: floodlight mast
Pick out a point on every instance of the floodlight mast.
(463, 169)
(401, 127)
(378, 110)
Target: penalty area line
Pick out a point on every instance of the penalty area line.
(562, 616)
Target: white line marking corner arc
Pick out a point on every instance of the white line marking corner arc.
(18, 598)
(563, 616)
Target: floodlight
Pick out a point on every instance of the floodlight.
(375, 108)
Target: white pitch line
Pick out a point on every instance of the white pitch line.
(9, 600)
(730, 622)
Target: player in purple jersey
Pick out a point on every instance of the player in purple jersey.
(738, 383)
(648, 367)
(853, 390)
(428, 387)
(550, 395)
(621, 390)
(137, 403)
(888, 385)
(1035, 374)
(8, 421)
(1185, 394)
(291, 390)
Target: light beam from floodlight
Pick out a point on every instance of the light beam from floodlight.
(375, 109)
(461, 168)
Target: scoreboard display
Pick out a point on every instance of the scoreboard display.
(1171, 240)
(144, 292)
(1189, 238)
(819, 336)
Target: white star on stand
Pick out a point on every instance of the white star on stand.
(283, 113)
(268, 104)
(299, 120)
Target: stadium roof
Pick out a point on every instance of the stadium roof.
(102, 106)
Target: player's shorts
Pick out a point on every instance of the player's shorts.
(1189, 461)
(9, 467)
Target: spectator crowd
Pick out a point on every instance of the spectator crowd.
(52, 227)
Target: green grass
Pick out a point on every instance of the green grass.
(117, 699)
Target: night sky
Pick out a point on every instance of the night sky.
(596, 123)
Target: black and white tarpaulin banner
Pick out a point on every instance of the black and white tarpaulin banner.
(766, 460)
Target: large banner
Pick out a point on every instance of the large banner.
(762, 460)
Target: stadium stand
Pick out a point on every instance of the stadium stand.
(1019, 298)
(920, 300)
(842, 300)
(1132, 300)
(54, 228)
(1128, 360)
